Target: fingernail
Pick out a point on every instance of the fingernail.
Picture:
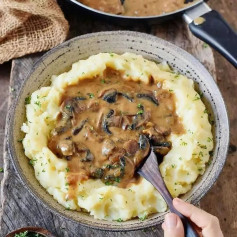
(171, 220)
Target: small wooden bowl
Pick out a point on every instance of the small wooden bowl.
(31, 229)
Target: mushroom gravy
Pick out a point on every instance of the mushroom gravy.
(105, 125)
(136, 7)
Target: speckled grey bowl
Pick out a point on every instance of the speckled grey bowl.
(61, 58)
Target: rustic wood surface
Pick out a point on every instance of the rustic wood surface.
(20, 209)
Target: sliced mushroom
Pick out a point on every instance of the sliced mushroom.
(143, 142)
(94, 106)
(66, 147)
(126, 95)
(161, 150)
(105, 126)
(89, 156)
(131, 147)
(117, 154)
(110, 96)
(79, 128)
(143, 119)
(115, 121)
(79, 98)
(105, 123)
(148, 96)
(108, 147)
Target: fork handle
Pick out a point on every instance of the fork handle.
(154, 177)
(156, 181)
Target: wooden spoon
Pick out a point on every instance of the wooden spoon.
(150, 171)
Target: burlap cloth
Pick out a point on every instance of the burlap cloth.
(28, 26)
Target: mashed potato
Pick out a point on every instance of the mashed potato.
(180, 167)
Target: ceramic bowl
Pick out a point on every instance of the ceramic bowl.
(60, 59)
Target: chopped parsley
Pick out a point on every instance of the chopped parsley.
(209, 162)
(140, 112)
(1, 170)
(197, 97)
(108, 183)
(202, 146)
(209, 139)
(140, 106)
(38, 103)
(103, 81)
(205, 45)
(68, 107)
(67, 169)
(177, 75)
(117, 179)
(142, 218)
(32, 162)
(91, 95)
(201, 153)
(21, 234)
(119, 220)
(27, 100)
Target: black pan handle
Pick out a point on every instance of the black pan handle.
(215, 31)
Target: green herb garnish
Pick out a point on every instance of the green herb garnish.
(27, 100)
(22, 234)
(119, 220)
(108, 183)
(91, 95)
(38, 103)
(117, 179)
(142, 218)
(140, 112)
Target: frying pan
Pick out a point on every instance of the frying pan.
(205, 23)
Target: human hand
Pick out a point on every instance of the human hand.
(208, 223)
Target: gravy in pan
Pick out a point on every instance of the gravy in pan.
(136, 7)
(104, 125)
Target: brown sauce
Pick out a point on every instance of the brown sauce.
(105, 125)
(136, 7)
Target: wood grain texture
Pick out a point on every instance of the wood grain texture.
(221, 200)
(20, 208)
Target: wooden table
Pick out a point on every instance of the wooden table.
(16, 201)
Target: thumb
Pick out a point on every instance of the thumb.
(173, 226)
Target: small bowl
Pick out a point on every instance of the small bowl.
(60, 59)
(31, 229)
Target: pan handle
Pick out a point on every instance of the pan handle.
(214, 30)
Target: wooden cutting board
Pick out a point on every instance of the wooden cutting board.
(19, 208)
